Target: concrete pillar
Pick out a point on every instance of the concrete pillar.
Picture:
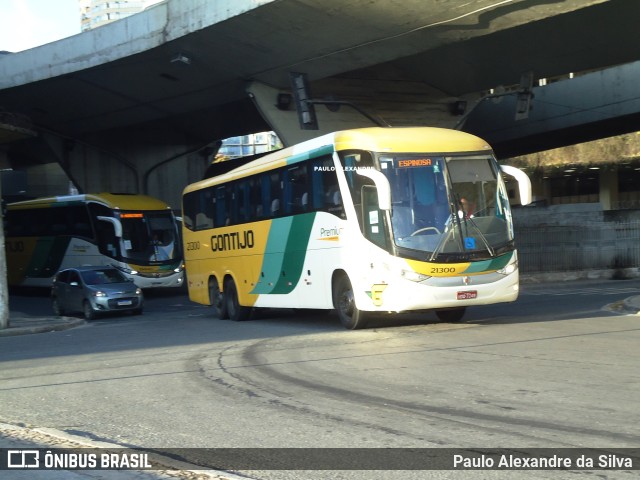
(4, 287)
(609, 187)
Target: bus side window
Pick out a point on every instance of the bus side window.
(244, 206)
(255, 199)
(189, 209)
(317, 185)
(300, 189)
(295, 185)
(266, 196)
(198, 207)
(276, 193)
(333, 202)
(220, 207)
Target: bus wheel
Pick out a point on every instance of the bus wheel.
(217, 300)
(235, 311)
(89, 313)
(452, 315)
(343, 301)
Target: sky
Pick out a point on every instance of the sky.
(26, 24)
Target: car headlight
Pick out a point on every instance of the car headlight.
(138, 291)
(99, 294)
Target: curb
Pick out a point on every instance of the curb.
(53, 438)
(64, 323)
(632, 305)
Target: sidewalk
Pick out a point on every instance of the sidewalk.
(27, 325)
(14, 437)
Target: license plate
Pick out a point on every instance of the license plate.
(468, 295)
(122, 303)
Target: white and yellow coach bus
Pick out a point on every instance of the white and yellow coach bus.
(367, 220)
(137, 234)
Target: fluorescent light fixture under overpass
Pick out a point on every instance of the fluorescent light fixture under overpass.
(181, 58)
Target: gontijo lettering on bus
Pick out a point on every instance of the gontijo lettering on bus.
(232, 241)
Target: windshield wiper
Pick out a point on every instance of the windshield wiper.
(469, 220)
(489, 248)
(454, 219)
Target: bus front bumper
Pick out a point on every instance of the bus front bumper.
(439, 292)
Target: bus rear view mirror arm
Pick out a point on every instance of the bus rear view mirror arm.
(524, 183)
(382, 185)
(117, 226)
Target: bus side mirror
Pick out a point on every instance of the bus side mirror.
(524, 183)
(117, 225)
(382, 185)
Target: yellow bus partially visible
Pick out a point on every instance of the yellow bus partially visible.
(137, 234)
(360, 221)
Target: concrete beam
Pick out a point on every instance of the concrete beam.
(587, 107)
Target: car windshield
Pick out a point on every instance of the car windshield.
(451, 208)
(102, 277)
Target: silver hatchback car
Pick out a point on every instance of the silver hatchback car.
(94, 290)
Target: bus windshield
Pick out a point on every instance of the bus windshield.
(149, 238)
(448, 208)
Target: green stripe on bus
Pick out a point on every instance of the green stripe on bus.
(284, 254)
(318, 152)
(295, 253)
(490, 265)
(273, 255)
(47, 256)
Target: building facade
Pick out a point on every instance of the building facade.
(94, 13)
(244, 145)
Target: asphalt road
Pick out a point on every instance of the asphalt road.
(555, 369)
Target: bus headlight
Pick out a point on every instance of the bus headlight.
(126, 270)
(508, 269)
(413, 276)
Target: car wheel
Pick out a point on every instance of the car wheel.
(344, 302)
(89, 312)
(57, 308)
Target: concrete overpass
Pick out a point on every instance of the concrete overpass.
(137, 105)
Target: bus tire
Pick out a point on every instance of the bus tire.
(236, 312)
(344, 302)
(217, 300)
(451, 315)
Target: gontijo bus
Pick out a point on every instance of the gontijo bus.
(367, 220)
(137, 234)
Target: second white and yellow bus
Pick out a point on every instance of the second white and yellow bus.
(366, 220)
(137, 234)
